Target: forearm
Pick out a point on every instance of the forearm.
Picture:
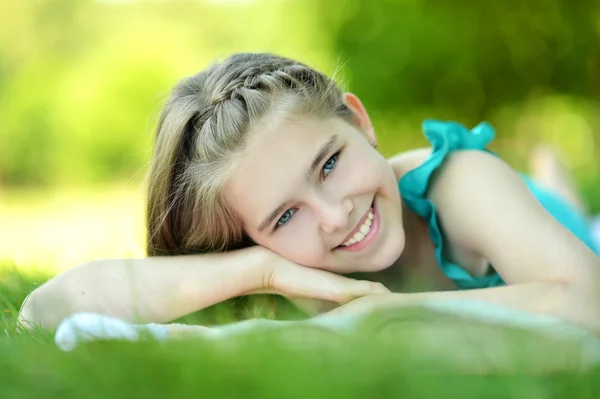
(571, 303)
(155, 289)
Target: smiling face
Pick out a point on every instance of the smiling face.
(317, 193)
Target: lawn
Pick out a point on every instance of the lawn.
(409, 353)
(386, 356)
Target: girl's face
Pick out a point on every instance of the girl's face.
(317, 193)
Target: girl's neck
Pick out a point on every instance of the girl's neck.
(417, 266)
(416, 269)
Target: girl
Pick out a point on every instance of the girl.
(265, 178)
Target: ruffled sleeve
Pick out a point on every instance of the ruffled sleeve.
(445, 138)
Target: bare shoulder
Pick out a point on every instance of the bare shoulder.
(465, 189)
(470, 169)
(471, 190)
(406, 161)
(456, 164)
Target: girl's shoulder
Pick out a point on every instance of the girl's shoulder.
(447, 138)
(404, 162)
(455, 164)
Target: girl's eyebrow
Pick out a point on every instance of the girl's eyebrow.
(321, 154)
(269, 219)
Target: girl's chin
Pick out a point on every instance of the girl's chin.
(385, 261)
(373, 268)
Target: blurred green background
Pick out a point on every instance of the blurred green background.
(82, 81)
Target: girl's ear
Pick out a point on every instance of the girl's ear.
(361, 117)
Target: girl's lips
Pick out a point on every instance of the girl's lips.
(359, 246)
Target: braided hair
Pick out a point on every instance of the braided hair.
(200, 133)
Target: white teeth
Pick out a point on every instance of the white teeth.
(358, 237)
(362, 231)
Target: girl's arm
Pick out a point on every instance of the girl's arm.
(161, 289)
(484, 207)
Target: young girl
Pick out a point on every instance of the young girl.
(266, 178)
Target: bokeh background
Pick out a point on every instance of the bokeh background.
(82, 81)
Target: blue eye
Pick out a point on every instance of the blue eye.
(330, 164)
(286, 217)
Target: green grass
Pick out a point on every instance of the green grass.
(407, 354)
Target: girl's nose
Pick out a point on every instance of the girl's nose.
(334, 214)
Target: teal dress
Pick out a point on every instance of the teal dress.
(445, 138)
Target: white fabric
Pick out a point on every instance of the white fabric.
(86, 327)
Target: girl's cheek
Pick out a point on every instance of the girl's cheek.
(304, 256)
(362, 173)
(301, 244)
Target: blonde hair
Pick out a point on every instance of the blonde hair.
(200, 130)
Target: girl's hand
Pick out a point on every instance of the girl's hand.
(370, 303)
(302, 284)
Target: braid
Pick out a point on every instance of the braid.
(273, 79)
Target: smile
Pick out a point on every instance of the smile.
(363, 230)
(364, 233)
